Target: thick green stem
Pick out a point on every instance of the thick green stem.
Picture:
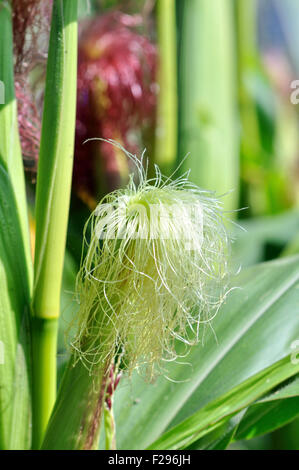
(56, 159)
(52, 203)
(166, 129)
(16, 271)
(44, 352)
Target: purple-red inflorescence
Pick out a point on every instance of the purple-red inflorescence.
(113, 382)
(116, 93)
(31, 24)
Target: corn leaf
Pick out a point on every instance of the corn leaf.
(52, 205)
(15, 261)
(221, 437)
(10, 149)
(253, 330)
(56, 159)
(235, 400)
(271, 412)
(15, 397)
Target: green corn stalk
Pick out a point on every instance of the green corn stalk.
(109, 422)
(208, 127)
(10, 148)
(166, 128)
(15, 261)
(52, 205)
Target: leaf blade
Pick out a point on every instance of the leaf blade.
(259, 322)
(235, 400)
(15, 369)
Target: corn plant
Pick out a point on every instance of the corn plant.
(210, 357)
(167, 112)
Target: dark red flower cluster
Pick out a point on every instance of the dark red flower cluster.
(116, 94)
(112, 383)
(29, 124)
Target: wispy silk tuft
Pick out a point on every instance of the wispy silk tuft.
(154, 269)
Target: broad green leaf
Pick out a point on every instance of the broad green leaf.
(255, 328)
(227, 405)
(285, 438)
(52, 205)
(229, 432)
(15, 260)
(10, 149)
(265, 418)
(271, 412)
(55, 159)
(15, 397)
(290, 390)
(221, 437)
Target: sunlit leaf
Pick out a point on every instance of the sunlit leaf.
(255, 328)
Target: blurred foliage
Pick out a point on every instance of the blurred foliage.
(268, 142)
